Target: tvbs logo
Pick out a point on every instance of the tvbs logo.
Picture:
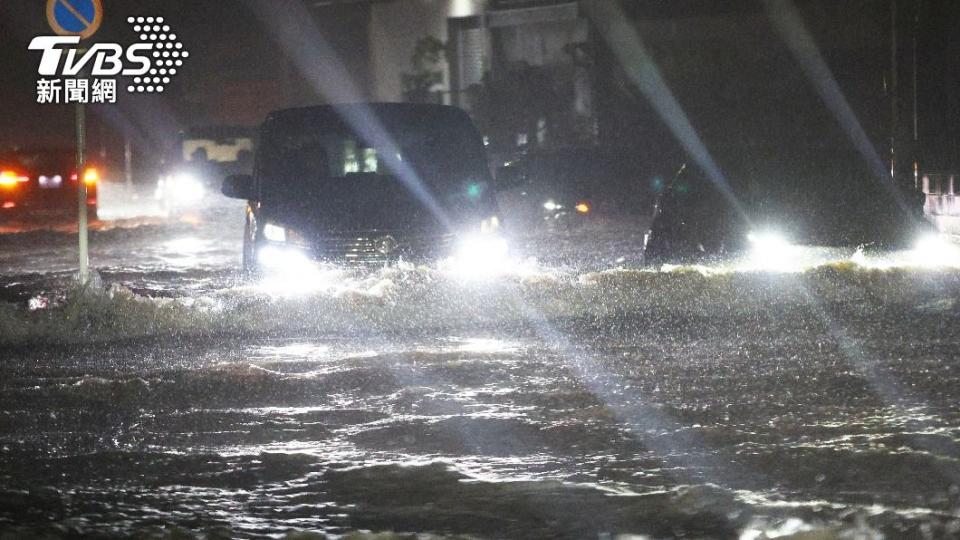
(69, 74)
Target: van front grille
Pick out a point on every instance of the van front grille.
(382, 246)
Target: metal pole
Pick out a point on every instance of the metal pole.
(82, 195)
(916, 83)
(127, 160)
(894, 98)
(916, 90)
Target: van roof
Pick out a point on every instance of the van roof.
(348, 108)
(354, 109)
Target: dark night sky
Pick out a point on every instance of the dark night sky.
(237, 71)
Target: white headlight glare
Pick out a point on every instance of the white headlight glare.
(768, 240)
(551, 205)
(281, 258)
(481, 256)
(289, 271)
(934, 250)
(483, 248)
(185, 188)
(274, 233)
(770, 250)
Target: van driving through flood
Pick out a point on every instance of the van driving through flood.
(368, 183)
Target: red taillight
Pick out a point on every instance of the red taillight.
(10, 179)
(9, 204)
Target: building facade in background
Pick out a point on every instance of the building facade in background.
(519, 67)
(536, 73)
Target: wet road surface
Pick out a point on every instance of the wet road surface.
(578, 396)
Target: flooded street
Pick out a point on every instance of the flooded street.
(471, 269)
(579, 396)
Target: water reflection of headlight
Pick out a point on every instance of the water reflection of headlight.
(283, 258)
(290, 271)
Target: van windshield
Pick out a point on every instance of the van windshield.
(331, 151)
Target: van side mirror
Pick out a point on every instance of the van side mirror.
(238, 186)
(510, 176)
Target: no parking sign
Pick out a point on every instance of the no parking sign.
(80, 18)
(75, 17)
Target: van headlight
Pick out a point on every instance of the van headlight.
(185, 188)
(768, 242)
(478, 248)
(481, 256)
(274, 233)
(933, 250)
(770, 250)
(284, 235)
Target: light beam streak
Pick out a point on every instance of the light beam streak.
(625, 42)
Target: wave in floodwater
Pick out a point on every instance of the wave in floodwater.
(570, 398)
(747, 432)
(411, 298)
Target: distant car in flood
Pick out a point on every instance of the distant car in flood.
(368, 184)
(200, 160)
(43, 185)
(567, 188)
(769, 217)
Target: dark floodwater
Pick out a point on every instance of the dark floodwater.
(556, 401)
